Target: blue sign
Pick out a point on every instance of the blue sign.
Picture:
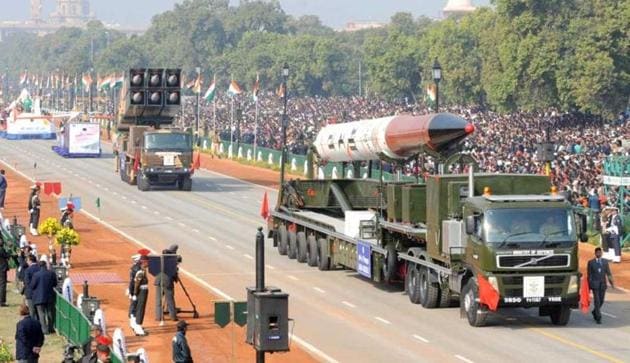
(364, 259)
(63, 201)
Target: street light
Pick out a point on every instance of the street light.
(437, 76)
(198, 69)
(285, 95)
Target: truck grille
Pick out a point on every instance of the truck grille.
(514, 261)
(518, 280)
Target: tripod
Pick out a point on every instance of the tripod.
(194, 307)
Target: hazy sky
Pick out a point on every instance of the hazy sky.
(334, 13)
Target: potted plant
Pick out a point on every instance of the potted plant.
(66, 238)
(50, 227)
(5, 353)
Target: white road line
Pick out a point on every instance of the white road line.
(143, 207)
(463, 359)
(229, 247)
(212, 238)
(123, 197)
(420, 338)
(208, 185)
(232, 193)
(133, 202)
(609, 315)
(248, 256)
(350, 305)
(306, 345)
(156, 213)
(195, 230)
(292, 277)
(270, 267)
(169, 218)
(319, 290)
(98, 186)
(106, 189)
(181, 224)
(244, 197)
(384, 321)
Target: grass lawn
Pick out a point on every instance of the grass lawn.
(53, 345)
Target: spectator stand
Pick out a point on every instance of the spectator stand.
(616, 177)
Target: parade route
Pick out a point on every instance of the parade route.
(338, 316)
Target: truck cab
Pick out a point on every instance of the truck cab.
(166, 159)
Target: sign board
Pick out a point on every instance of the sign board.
(83, 138)
(533, 286)
(30, 124)
(222, 313)
(364, 259)
(617, 180)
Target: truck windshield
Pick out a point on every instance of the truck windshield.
(529, 225)
(164, 141)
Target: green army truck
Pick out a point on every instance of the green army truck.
(487, 241)
(149, 151)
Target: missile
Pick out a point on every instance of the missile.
(394, 137)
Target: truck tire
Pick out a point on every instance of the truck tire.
(411, 284)
(283, 240)
(389, 263)
(143, 183)
(323, 256)
(445, 297)
(470, 302)
(560, 315)
(301, 247)
(185, 184)
(311, 250)
(429, 293)
(292, 252)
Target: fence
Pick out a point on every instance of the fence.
(297, 164)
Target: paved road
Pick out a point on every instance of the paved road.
(344, 316)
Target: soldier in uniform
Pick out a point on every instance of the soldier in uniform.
(165, 287)
(33, 208)
(141, 292)
(132, 277)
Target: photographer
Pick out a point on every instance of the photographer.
(165, 286)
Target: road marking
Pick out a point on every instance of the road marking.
(133, 202)
(248, 256)
(382, 320)
(156, 213)
(306, 345)
(244, 197)
(98, 186)
(181, 224)
(424, 340)
(143, 207)
(464, 359)
(212, 238)
(577, 345)
(169, 218)
(106, 189)
(270, 267)
(319, 290)
(123, 197)
(195, 230)
(208, 185)
(293, 278)
(229, 247)
(609, 315)
(232, 193)
(350, 305)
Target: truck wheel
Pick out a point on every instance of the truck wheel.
(560, 315)
(311, 250)
(389, 263)
(283, 240)
(301, 247)
(445, 297)
(470, 301)
(411, 284)
(429, 294)
(292, 252)
(186, 184)
(323, 255)
(143, 183)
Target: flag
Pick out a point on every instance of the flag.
(431, 92)
(209, 96)
(585, 295)
(264, 209)
(119, 80)
(487, 294)
(136, 162)
(105, 83)
(196, 88)
(23, 78)
(280, 91)
(98, 202)
(86, 80)
(190, 84)
(234, 89)
(197, 162)
(256, 88)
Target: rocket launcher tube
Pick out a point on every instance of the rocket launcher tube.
(396, 137)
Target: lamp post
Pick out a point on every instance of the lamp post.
(437, 76)
(285, 77)
(90, 90)
(198, 69)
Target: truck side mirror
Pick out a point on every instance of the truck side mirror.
(470, 224)
(583, 227)
(583, 237)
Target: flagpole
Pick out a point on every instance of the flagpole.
(256, 129)
(232, 126)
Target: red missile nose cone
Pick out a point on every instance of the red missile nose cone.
(469, 129)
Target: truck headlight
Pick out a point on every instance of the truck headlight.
(573, 285)
(185, 170)
(493, 281)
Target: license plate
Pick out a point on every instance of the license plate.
(533, 286)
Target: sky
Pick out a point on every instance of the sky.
(334, 13)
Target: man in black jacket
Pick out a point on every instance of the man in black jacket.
(597, 272)
(4, 269)
(29, 338)
(181, 351)
(43, 286)
(30, 271)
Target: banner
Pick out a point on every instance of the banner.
(83, 138)
(26, 125)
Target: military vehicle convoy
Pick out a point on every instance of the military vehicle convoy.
(149, 154)
(491, 241)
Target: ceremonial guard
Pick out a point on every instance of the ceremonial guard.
(132, 278)
(141, 292)
(33, 208)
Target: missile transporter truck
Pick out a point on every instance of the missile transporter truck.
(150, 152)
(489, 241)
